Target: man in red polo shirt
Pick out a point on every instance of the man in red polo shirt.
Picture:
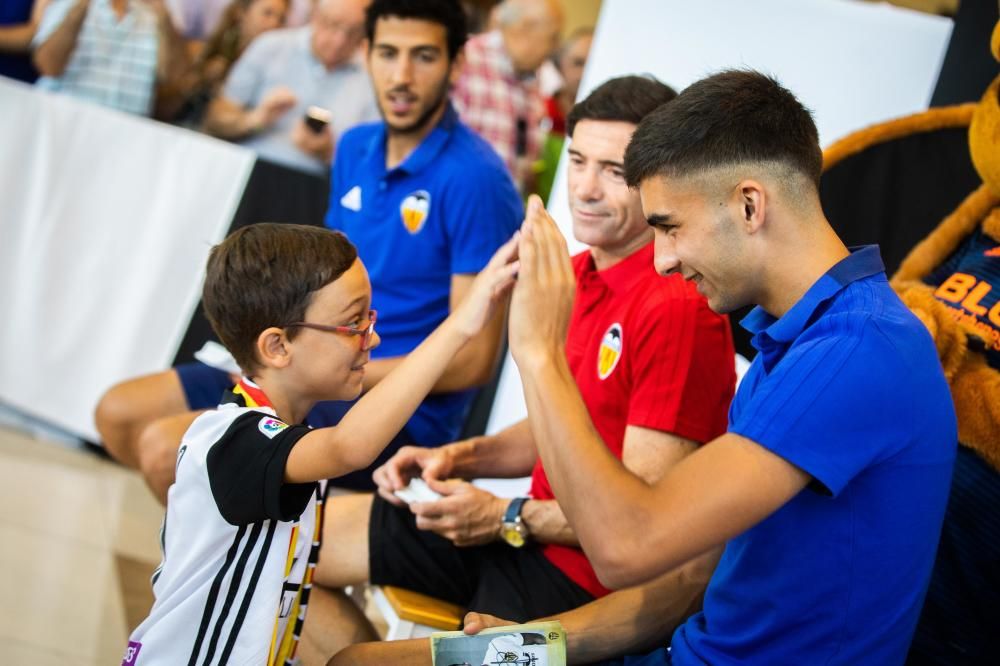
(655, 368)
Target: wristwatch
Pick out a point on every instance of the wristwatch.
(512, 529)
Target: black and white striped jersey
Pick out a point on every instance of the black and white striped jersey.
(239, 544)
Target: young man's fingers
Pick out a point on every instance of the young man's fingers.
(506, 252)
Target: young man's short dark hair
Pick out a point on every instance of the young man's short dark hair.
(625, 98)
(264, 275)
(733, 117)
(448, 13)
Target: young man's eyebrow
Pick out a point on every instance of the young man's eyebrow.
(659, 220)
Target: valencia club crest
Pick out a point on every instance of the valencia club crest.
(610, 351)
(414, 210)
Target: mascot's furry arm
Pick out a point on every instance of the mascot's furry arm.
(975, 386)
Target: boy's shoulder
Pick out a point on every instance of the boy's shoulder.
(231, 421)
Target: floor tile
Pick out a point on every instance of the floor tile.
(59, 593)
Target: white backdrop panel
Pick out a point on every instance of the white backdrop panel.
(852, 63)
(105, 225)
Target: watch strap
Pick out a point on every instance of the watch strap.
(514, 509)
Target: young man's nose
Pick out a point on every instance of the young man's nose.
(664, 258)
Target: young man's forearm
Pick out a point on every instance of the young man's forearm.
(637, 619)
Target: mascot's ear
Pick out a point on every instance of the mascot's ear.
(984, 132)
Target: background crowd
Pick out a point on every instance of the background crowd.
(286, 78)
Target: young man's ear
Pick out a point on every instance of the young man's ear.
(752, 200)
(273, 349)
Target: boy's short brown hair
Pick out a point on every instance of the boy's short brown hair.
(264, 275)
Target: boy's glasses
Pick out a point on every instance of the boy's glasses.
(365, 332)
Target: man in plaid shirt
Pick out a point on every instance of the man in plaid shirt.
(497, 94)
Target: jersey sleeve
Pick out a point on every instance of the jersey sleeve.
(483, 212)
(246, 471)
(682, 370)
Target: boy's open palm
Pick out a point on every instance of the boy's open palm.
(488, 289)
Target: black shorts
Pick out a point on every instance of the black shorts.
(517, 584)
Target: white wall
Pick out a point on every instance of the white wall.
(106, 221)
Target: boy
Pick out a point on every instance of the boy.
(241, 535)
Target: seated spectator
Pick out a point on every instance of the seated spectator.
(285, 72)
(197, 20)
(112, 52)
(18, 22)
(653, 364)
(570, 61)
(497, 94)
(242, 21)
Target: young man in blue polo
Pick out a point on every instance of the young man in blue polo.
(426, 202)
(829, 488)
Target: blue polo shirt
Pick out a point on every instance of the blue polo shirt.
(846, 386)
(444, 211)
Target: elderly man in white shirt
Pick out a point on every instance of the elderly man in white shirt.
(283, 73)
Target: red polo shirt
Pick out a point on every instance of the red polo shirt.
(645, 350)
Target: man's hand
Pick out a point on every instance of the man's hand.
(542, 301)
(410, 462)
(465, 515)
(275, 104)
(315, 144)
(476, 622)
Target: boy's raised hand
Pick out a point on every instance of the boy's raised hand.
(489, 288)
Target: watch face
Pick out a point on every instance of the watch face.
(512, 535)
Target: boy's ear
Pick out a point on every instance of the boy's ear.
(273, 349)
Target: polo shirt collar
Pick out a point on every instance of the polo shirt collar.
(626, 273)
(863, 262)
(425, 153)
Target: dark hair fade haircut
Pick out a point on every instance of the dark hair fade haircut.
(448, 13)
(265, 275)
(627, 99)
(732, 117)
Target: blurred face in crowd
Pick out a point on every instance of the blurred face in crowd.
(607, 215)
(338, 28)
(530, 30)
(261, 16)
(572, 61)
(411, 72)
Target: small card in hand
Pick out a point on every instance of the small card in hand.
(417, 491)
(533, 644)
